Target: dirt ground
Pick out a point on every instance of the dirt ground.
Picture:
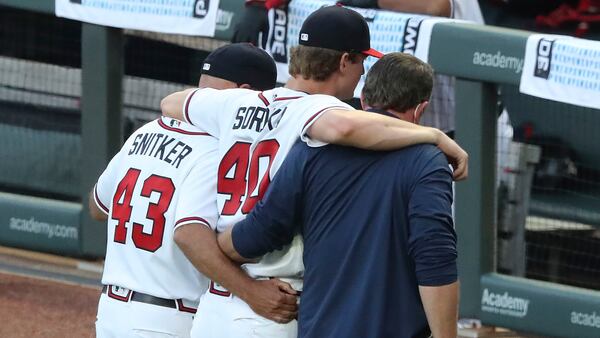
(31, 307)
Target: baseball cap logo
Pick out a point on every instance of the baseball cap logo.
(304, 37)
(206, 66)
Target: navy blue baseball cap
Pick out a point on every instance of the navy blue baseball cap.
(337, 28)
(242, 63)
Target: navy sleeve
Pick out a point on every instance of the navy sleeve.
(276, 218)
(431, 237)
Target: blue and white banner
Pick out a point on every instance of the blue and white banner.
(562, 69)
(390, 32)
(189, 17)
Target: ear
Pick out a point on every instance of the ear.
(362, 101)
(344, 62)
(420, 111)
(245, 86)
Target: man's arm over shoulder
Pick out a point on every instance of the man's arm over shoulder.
(202, 107)
(172, 105)
(371, 131)
(276, 218)
(432, 241)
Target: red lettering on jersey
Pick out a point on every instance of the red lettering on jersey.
(121, 212)
(268, 149)
(234, 186)
(156, 212)
(246, 175)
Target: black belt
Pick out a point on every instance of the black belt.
(149, 299)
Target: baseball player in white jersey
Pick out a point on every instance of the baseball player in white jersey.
(257, 129)
(161, 179)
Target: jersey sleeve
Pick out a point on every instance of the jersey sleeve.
(432, 239)
(276, 219)
(206, 108)
(197, 199)
(313, 108)
(105, 186)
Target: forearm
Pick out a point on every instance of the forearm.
(226, 244)
(389, 137)
(172, 105)
(199, 244)
(441, 308)
(430, 7)
(370, 131)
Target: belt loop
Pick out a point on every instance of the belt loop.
(214, 290)
(181, 307)
(113, 295)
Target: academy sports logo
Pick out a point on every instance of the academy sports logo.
(585, 319)
(543, 58)
(504, 304)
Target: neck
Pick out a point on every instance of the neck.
(311, 86)
(406, 116)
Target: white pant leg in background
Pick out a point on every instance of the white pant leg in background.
(117, 319)
(222, 316)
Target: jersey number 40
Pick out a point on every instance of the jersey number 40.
(122, 208)
(239, 175)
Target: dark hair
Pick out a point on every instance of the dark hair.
(315, 63)
(398, 81)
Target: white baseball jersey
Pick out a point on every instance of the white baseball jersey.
(162, 178)
(256, 130)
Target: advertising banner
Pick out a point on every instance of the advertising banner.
(562, 69)
(189, 17)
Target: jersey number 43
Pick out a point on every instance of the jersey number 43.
(239, 175)
(122, 208)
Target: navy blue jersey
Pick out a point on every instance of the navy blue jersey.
(376, 225)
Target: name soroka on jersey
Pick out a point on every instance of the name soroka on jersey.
(157, 145)
(257, 118)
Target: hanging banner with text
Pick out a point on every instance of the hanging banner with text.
(189, 17)
(562, 69)
(390, 32)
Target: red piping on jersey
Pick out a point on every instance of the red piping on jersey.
(264, 99)
(117, 297)
(177, 130)
(100, 204)
(187, 219)
(184, 308)
(287, 98)
(319, 112)
(187, 105)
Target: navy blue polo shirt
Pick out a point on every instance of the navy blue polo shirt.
(376, 225)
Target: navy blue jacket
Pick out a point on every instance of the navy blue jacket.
(376, 225)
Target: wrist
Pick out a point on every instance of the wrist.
(244, 289)
(438, 136)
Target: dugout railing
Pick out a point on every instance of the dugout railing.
(514, 302)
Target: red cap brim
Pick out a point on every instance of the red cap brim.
(372, 52)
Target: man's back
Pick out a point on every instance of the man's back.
(364, 210)
(375, 225)
(140, 190)
(256, 130)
